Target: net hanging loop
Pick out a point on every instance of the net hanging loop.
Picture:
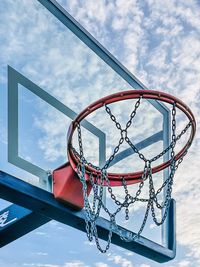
(99, 177)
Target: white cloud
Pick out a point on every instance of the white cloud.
(101, 264)
(128, 253)
(40, 233)
(3, 137)
(89, 243)
(75, 264)
(184, 263)
(118, 259)
(42, 253)
(41, 265)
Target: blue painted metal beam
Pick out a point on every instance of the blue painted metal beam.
(171, 231)
(43, 202)
(16, 221)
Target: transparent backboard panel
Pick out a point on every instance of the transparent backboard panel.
(42, 131)
(49, 55)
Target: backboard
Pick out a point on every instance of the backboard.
(52, 69)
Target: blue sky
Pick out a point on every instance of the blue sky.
(157, 41)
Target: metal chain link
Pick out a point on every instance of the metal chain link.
(123, 132)
(92, 211)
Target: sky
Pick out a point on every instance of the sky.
(159, 42)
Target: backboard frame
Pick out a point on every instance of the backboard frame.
(14, 80)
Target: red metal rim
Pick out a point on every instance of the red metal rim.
(131, 178)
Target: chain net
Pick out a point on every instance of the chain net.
(92, 208)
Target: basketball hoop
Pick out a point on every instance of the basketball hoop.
(96, 178)
(131, 178)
